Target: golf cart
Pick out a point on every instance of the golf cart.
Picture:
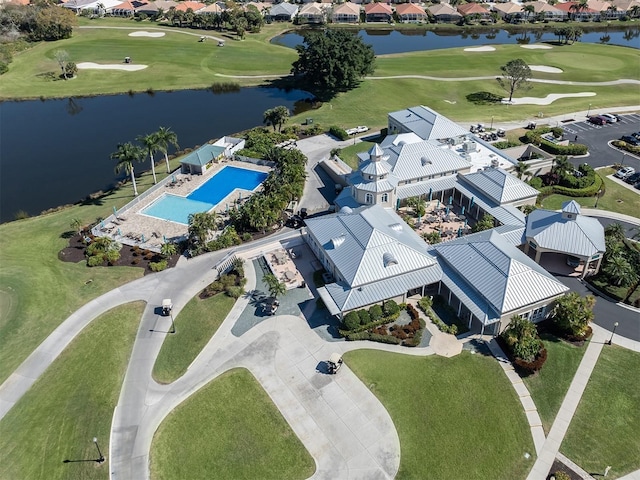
(167, 306)
(270, 305)
(335, 362)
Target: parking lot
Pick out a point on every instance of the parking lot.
(596, 137)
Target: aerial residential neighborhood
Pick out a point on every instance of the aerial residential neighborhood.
(405, 250)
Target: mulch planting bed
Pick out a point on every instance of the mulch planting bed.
(129, 256)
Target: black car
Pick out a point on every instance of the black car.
(633, 179)
(630, 140)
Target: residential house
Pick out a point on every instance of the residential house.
(509, 11)
(194, 6)
(576, 12)
(548, 12)
(474, 9)
(378, 12)
(282, 12)
(444, 13)
(312, 13)
(211, 9)
(347, 12)
(411, 13)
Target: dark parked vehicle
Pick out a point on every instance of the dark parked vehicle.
(633, 179)
(631, 140)
(596, 120)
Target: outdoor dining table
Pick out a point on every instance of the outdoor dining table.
(462, 217)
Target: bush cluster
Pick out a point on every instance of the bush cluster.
(523, 345)
(425, 304)
(338, 132)
(231, 284)
(374, 337)
(535, 137)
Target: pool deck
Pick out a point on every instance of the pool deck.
(132, 227)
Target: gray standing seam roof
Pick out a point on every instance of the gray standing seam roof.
(427, 124)
(500, 186)
(423, 159)
(203, 155)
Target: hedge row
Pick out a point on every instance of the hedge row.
(373, 337)
(338, 132)
(362, 328)
(589, 191)
(535, 137)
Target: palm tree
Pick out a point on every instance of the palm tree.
(126, 155)
(634, 11)
(76, 224)
(151, 144)
(522, 170)
(200, 224)
(615, 231)
(165, 137)
(619, 270)
(418, 205)
(275, 286)
(276, 117)
(528, 10)
(168, 249)
(611, 11)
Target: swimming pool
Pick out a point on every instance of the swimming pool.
(207, 196)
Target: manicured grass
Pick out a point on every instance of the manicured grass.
(70, 404)
(616, 198)
(38, 290)
(549, 386)
(195, 325)
(229, 429)
(604, 429)
(456, 418)
(349, 154)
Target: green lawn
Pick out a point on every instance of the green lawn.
(230, 430)
(550, 385)
(456, 418)
(604, 430)
(70, 404)
(349, 154)
(616, 198)
(37, 290)
(195, 325)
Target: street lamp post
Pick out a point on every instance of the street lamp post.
(597, 198)
(173, 325)
(589, 110)
(491, 128)
(615, 325)
(101, 458)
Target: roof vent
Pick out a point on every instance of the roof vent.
(346, 209)
(425, 161)
(397, 227)
(388, 259)
(337, 241)
(495, 162)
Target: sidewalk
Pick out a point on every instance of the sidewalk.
(568, 408)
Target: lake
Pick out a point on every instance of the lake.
(56, 152)
(399, 41)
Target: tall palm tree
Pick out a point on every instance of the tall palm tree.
(634, 11)
(165, 137)
(126, 155)
(151, 145)
(528, 10)
(275, 286)
(620, 271)
(522, 170)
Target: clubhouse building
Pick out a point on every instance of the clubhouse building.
(373, 255)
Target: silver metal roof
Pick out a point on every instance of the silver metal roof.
(503, 275)
(422, 188)
(400, 139)
(423, 159)
(500, 186)
(427, 123)
(378, 168)
(514, 234)
(505, 214)
(571, 206)
(370, 233)
(581, 236)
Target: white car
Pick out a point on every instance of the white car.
(361, 129)
(625, 172)
(351, 131)
(610, 117)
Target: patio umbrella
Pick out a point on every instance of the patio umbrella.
(463, 210)
(226, 207)
(239, 196)
(142, 237)
(465, 222)
(430, 193)
(459, 231)
(164, 238)
(173, 177)
(115, 212)
(102, 224)
(471, 202)
(438, 205)
(450, 199)
(447, 213)
(119, 232)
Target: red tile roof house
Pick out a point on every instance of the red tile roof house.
(574, 12)
(411, 13)
(348, 12)
(194, 6)
(378, 12)
(469, 9)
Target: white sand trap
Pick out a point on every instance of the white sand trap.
(552, 97)
(545, 69)
(480, 49)
(142, 33)
(115, 66)
(537, 47)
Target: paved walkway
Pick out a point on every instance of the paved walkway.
(551, 446)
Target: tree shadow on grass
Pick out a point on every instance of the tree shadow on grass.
(484, 98)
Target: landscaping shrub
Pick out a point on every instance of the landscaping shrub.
(560, 475)
(505, 144)
(529, 368)
(158, 266)
(572, 314)
(234, 292)
(425, 304)
(535, 137)
(364, 316)
(373, 337)
(390, 308)
(338, 132)
(376, 313)
(523, 345)
(351, 320)
(95, 261)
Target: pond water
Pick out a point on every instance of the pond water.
(400, 41)
(56, 152)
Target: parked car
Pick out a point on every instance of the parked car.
(361, 128)
(334, 363)
(612, 118)
(351, 131)
(631, 140)
(636, 135)
(624, 172)
(597, 120)
(573, 261)
(633, 178)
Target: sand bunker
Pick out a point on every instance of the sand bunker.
(552, 97)
(116, 66)
(536, 47)
(146, 34)
(480, 49)
(545, 69)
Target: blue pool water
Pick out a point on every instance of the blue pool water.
(208, 195)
